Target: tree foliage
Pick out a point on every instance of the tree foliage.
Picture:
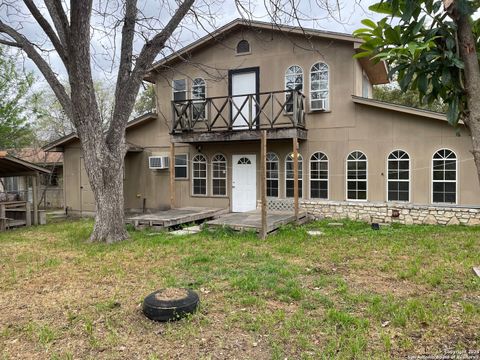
(392, 93)
(15, 130)
(418, 41)
(146, 101)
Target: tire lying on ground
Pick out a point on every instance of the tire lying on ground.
(170, 304)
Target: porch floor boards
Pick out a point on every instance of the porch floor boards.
(252, 220)
(173, 217)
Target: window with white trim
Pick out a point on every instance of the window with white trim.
(444, 177)
(319, 86)
(289, 176)
(199, 175)
(398, 176)
(198, 97)
(356, 176)
(219, 175)
(272, 174)
(181, 166)
(293, 81)
(179, 88)
(319, 176)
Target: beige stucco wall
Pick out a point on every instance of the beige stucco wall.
(345, 128)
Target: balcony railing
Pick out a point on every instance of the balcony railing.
(260, 111)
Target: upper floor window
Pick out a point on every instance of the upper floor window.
(199, 175)
(319, 176)
(356, 176)
(179, 88)
(289, 176)
(319, 87)
(398, 187)
(444, 177)
(243, 47)
(293, 81)
(198, 97)
(219, 175)
(272, 174)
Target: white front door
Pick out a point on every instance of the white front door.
(243, 83)
(244, 183)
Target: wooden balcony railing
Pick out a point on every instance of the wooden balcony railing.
(261, 111)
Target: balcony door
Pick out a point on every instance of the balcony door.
(243, 82)
(244, 183)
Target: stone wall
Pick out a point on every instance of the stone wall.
(384, 213)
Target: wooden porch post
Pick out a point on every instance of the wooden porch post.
(295, 177)
(263, 185)
(172, 175)
(3, 220)
(35, 198)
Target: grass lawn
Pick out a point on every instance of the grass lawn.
(351, 293)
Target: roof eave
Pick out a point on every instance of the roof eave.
(59, 145)
(399, 108)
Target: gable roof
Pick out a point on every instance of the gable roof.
(376, 71)
(58, 144)
(12, 166)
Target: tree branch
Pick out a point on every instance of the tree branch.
(125, 98)
(59, 47)
(42, 65)
(60, 20)
(10, 43)
(128, 33)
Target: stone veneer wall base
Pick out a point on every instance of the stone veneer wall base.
(408, 214)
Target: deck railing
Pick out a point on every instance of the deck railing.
(260, 111)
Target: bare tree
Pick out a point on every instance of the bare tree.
(71, 36)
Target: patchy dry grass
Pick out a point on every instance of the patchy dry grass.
(351, 293)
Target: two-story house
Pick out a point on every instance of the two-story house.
(357, 157)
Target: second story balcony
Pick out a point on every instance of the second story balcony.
(239, 117)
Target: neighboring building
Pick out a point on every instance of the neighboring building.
(50, 185)
(359, 157)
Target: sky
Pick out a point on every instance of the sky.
(340, 16)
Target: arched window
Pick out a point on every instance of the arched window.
(289, 175)
(293, 81)
(219, 175)
(319, 176)
(356, 176)
(199, 177)
(319, 87)
(243, 47)
(398, 178)
(198, 97)
(444, 177)
(272, 174)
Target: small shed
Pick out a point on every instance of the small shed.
(13, 211)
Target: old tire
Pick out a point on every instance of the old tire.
(170, 310)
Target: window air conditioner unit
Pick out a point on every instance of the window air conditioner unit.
(320, 104)
(158, 162)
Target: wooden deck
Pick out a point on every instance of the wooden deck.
(173, 217)
(252, 220)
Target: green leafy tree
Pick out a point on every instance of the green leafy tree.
(15, 131)
(392, 93)
(432, 46)
(146, 101)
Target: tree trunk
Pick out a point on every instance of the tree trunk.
(105, 174)
(109, 217)
(468, 53)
